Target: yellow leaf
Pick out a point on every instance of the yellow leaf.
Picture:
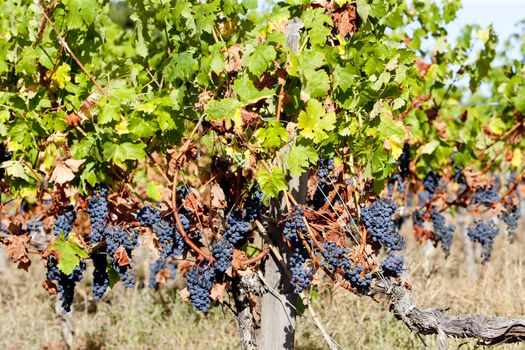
(122, 127)
(516, 158)
(61, 75)
(396, 146)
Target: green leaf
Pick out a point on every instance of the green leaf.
(316, 83)
(109, 113)
(225, 108)
(62, 76)
(248, 92)
(70, 254)
(119, 153)
(315, 121)
(363, 9)
(299, 158)
(429, 147)
(261, 59)
(15, 169)
(273, 135)
(181, 66)
(272, 183)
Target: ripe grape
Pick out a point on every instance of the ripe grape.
(510, 216)
(236, 228)
(156, 267)
(359, 282)
(116, 236)
(443, 233)
(485, 196)
(100, 275)
(300, 271)
(323, 182)
(98, 211)
(200, 281)
(253, 204)
(64, 221)
(65, 283)
(432, 182)
(223, 252)
(484, 233)
(393, 265)
(334, 256)
(34, 227)
(169, 237)
(401, 185)
(377, 219)
(404, 162)
(294, 224)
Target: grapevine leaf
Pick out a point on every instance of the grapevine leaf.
(119, 153)
(429, 147)
(70, 254)
(15, 169)
(315, 121)
(260, 59)
(299, 158)
(273, 135)
(248, 93)
(225, 108)
(272, 183)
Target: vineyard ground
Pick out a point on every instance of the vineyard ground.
(141, 319)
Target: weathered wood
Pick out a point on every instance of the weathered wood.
(247, 287)
(488, 329)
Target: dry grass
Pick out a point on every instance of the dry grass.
(141, 319)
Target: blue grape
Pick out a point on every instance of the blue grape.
(443, 233)
(3, 229)
(401, 185)
(156, 267)
(34, 227)
(169, 237)
(115, 237)
(223, 252)
(65, 283)
(432, 182)
(511, 216)
(299, 269)
(323, 182)
(253, 204)
(377, 219)
(484, 233)
(404, 162)
(100, 275)
(486, 196)
(294, 225)
(357, 280)
(236, 228)
(393, 265)
(334, 257)
(98, 210)
(64, 221)
(200, 281)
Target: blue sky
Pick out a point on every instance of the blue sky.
(503, 14)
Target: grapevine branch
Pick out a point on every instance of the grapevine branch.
(64, 44)
(488, 329)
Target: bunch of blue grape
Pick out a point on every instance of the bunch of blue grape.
(171, 241)
(334, 257)
(443, 233)
(34, 227)
(223, 252)
(64, 221)
(65, 283)
(511, 216)
(200, 281)
(236, 228)
(183, 191)
(417, 218)
(156, 267)
(393, 265)
(98, 210)
(300, 271)
(323, 182)
(484, 233)
(377, 219)
(253, 204)
(404, 162)
(100, 275)
(459, 178)
(432, 182)
(401, 185)
(485, 196)
(359, 282)
(294, 224)
(116, 236)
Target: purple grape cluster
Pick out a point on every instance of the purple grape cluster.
(403, 162)
(116, 236)
(65, 283)
(100, 275)
(485, 196)
(323, 182)
(200, 281)
(393, 265)
(299, 269)
(484, 233)
(417, 218)
(294, 224)
(236, 228)
(443, 233)
(223, 252)
(510, 217)
(183, 191)
(169, 237)
(359, 282)
(64, 221)
(98, 210)
(401, 185)
(377, 219)
(253, 204)
(334, 257)
(432, 182)
(158, 265)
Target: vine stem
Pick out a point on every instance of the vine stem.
(64, 44)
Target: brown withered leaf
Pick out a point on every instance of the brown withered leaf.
(475, 179)
(50, 287)
(509, 155)
(234, 58)
(17, 251)
(238, 256)
(65, 171)
(184, 294)
(162, 276)
(346, 21)
(218, 199)
(217, 292)
(121, 256)
(422, 68)
(250, 119)
(73, 119)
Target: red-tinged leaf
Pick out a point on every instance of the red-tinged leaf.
(50, 287)
(121, 256)
(16, 249)
(217, 292)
